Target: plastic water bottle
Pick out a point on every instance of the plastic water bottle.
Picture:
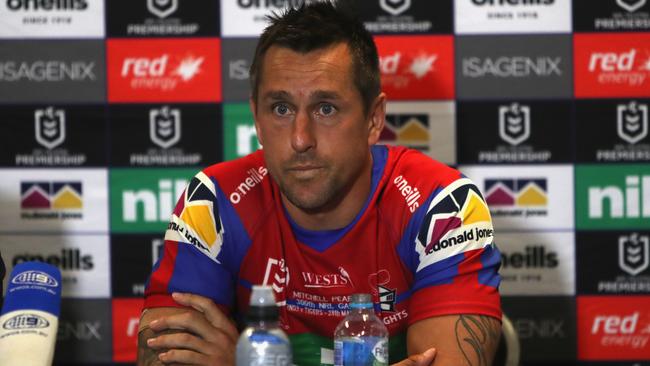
(361, 339)
(263, 342)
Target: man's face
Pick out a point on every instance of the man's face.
(310, 119)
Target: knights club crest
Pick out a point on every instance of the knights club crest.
(514, 123)
(632, 122)
(165, 126)
(162, 8)
(634, 253)
(50, 127)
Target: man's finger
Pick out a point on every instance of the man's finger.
(422, 359)
(189, 321)
(180, 340)
(214, 315)
(185, 357)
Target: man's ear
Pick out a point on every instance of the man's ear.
(253, 107)
(376, 118)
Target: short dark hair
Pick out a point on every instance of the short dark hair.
(316, 25)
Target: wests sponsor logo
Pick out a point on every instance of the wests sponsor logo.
(416, 67)
(613, 328)
(612, 65)
(327, 280)
(164, 70)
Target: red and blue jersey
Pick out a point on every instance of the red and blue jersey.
(422, 245)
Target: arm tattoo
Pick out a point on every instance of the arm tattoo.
(148, 356)
(475, 334)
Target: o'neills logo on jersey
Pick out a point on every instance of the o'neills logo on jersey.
(327, 280)
(612, 65)
(255, 177)
(416, 67)
(164, 70)
(410, 193)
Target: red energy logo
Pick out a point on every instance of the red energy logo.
(126, 319)
(164, 70)
(416, 67)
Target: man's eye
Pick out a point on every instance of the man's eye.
(326, 109)
(281, 109)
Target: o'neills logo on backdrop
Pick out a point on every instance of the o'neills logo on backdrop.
(416, 67)
(613, 65)
(164, 70)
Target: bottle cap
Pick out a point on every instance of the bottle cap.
(262, 296)
(360, 301)
(262, 305)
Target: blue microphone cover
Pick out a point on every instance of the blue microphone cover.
(34, 286)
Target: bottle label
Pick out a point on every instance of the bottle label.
(361, 351)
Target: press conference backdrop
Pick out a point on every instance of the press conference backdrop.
(109, 107)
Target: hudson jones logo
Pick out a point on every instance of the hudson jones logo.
(162, 8)
(49, 127)
(516, 192)
(51, 195)
(26, 321)
(410, 129)
(632, 122)
(634, 253)
(514, 123)
(165, 126)
(33, 277)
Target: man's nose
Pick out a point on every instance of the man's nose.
(302, 134)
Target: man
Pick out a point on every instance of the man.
(321, 213)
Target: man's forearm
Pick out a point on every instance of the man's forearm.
(477, 337)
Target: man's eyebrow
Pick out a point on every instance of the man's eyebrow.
(325, 94)
(277, 95)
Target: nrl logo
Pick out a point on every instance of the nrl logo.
(632, 122)
(631, 5)
(50, 127)
(514, 123)
(165, 126)
(633, 253)
(162, 8)
(395, 7)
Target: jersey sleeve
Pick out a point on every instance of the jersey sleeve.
(455, 260)
(203, 247)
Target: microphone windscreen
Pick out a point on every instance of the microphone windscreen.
(34, 286)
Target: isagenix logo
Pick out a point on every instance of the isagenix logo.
(620, 199)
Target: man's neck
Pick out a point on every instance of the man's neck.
(342, 212)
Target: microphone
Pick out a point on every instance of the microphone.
(30, 315)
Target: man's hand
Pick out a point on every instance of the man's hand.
(199, 336)
(421, 359)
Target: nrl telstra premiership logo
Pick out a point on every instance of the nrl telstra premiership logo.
(395, 7)
(634, 253)
(162, 8)
(514, 123)
(50, 127)
(631, 5)
(632, 121)
(165, 126)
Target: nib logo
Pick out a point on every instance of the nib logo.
(632, 122)
(627, 202)
(631, 5)
(157, 205)
(188, 68)
(422, 65)
(165, 126)
(634, 253)
(514, 123)
(50, 127)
